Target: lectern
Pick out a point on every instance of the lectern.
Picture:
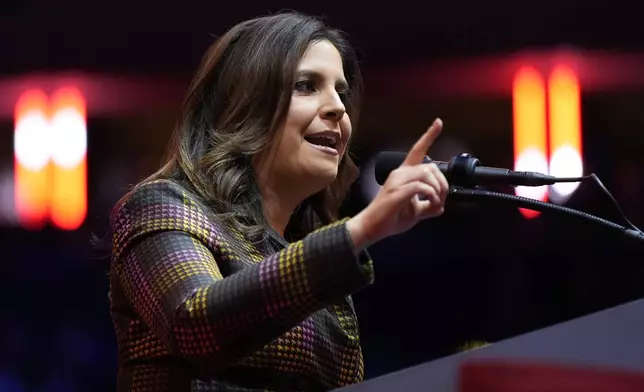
(607, 346)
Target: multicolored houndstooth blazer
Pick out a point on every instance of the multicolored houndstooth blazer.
(198, 308)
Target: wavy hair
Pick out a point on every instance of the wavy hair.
(236, 102)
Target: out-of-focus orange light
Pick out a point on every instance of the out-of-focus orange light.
(31, 159)
(530, 131)
(564, 109)
(69, 159)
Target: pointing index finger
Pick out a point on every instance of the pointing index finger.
(419, 150)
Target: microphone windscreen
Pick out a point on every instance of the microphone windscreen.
(386, 162)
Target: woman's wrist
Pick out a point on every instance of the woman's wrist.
(359, 235)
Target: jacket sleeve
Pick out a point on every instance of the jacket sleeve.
(162, 259)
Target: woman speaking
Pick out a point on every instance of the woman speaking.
(231, 270)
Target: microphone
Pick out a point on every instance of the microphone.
(465, 170)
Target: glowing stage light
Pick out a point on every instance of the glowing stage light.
(565, 144)
(69, 159)
(530, 132)
(50, 147)
(31, 159)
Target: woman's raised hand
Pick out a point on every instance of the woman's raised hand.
(398, 207)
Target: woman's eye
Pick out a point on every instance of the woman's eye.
(306, 86)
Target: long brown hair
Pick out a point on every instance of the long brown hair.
(239, 96)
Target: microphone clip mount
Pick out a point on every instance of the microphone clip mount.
(461, 169)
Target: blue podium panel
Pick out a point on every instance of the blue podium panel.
(612, 338)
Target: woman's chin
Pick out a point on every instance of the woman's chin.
(322, 175)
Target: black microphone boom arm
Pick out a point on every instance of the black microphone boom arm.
(466, 194)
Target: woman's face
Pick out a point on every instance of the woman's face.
(314, 136)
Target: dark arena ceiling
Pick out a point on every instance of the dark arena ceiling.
(168, 37)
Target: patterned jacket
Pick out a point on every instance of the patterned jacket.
(197, 307)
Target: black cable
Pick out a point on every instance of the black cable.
(467, 194)
(601, 185)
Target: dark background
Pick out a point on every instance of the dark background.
(480, 272)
